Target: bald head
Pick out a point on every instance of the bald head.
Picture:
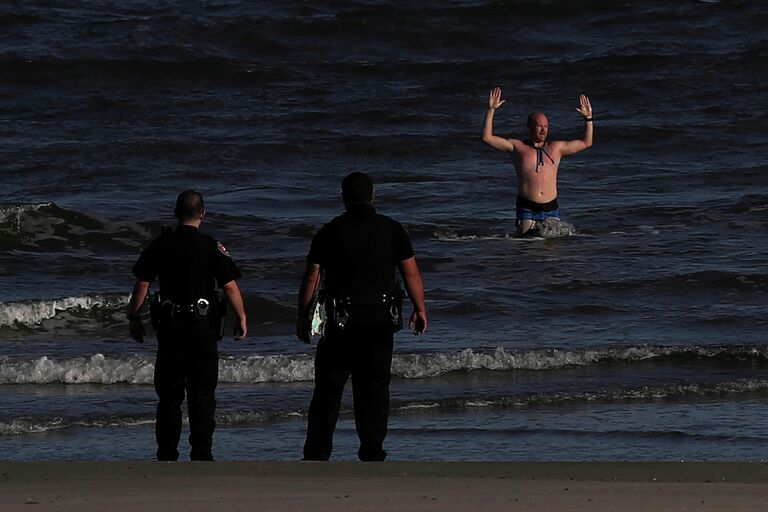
(538, 125)
(536, 117)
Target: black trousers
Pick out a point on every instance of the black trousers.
(187, 363)
(365, 354)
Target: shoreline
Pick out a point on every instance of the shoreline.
(444, 486)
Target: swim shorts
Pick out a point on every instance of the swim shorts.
(529, 210)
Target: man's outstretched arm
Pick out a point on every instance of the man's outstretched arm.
(574, 146)
(494, 102)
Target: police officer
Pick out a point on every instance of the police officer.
(189, 265)
(359, 253)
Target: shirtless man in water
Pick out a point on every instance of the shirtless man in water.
(536, 161)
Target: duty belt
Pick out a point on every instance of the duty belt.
(371, 308)
(365, 300)
(200, 308)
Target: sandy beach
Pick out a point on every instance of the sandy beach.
(417, 486)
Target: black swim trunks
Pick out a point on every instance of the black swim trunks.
(526, 209)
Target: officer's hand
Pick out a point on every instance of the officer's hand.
(418, 322)
(136, 329)
(302, 328)
(241, 330)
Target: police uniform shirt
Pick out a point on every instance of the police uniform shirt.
(190, 265)
(360, 251)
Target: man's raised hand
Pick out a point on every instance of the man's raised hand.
(585, 108)
(494, 99)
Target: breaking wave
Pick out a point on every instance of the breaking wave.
(101, 369)
(33, 312)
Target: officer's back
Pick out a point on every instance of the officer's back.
(187, 264)
(362, 252)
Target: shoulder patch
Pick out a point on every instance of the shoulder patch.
(222, 249)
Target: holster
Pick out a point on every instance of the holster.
(156, 315)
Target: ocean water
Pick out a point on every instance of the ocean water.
(635, 330)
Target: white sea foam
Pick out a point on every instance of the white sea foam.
(430, 365)
(450, 236)
(548, 228)
(29, 425)
(554, 228)
(34, 312)
(13, 215)
(267, 369)
(96, 369)
(18, 426)
(100, 369)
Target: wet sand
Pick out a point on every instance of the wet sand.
(401, 486)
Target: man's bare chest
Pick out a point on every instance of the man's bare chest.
(537, 160)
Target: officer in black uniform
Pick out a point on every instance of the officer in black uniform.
(359, 253)
(187, 316)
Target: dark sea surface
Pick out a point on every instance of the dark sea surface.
(635, 330)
